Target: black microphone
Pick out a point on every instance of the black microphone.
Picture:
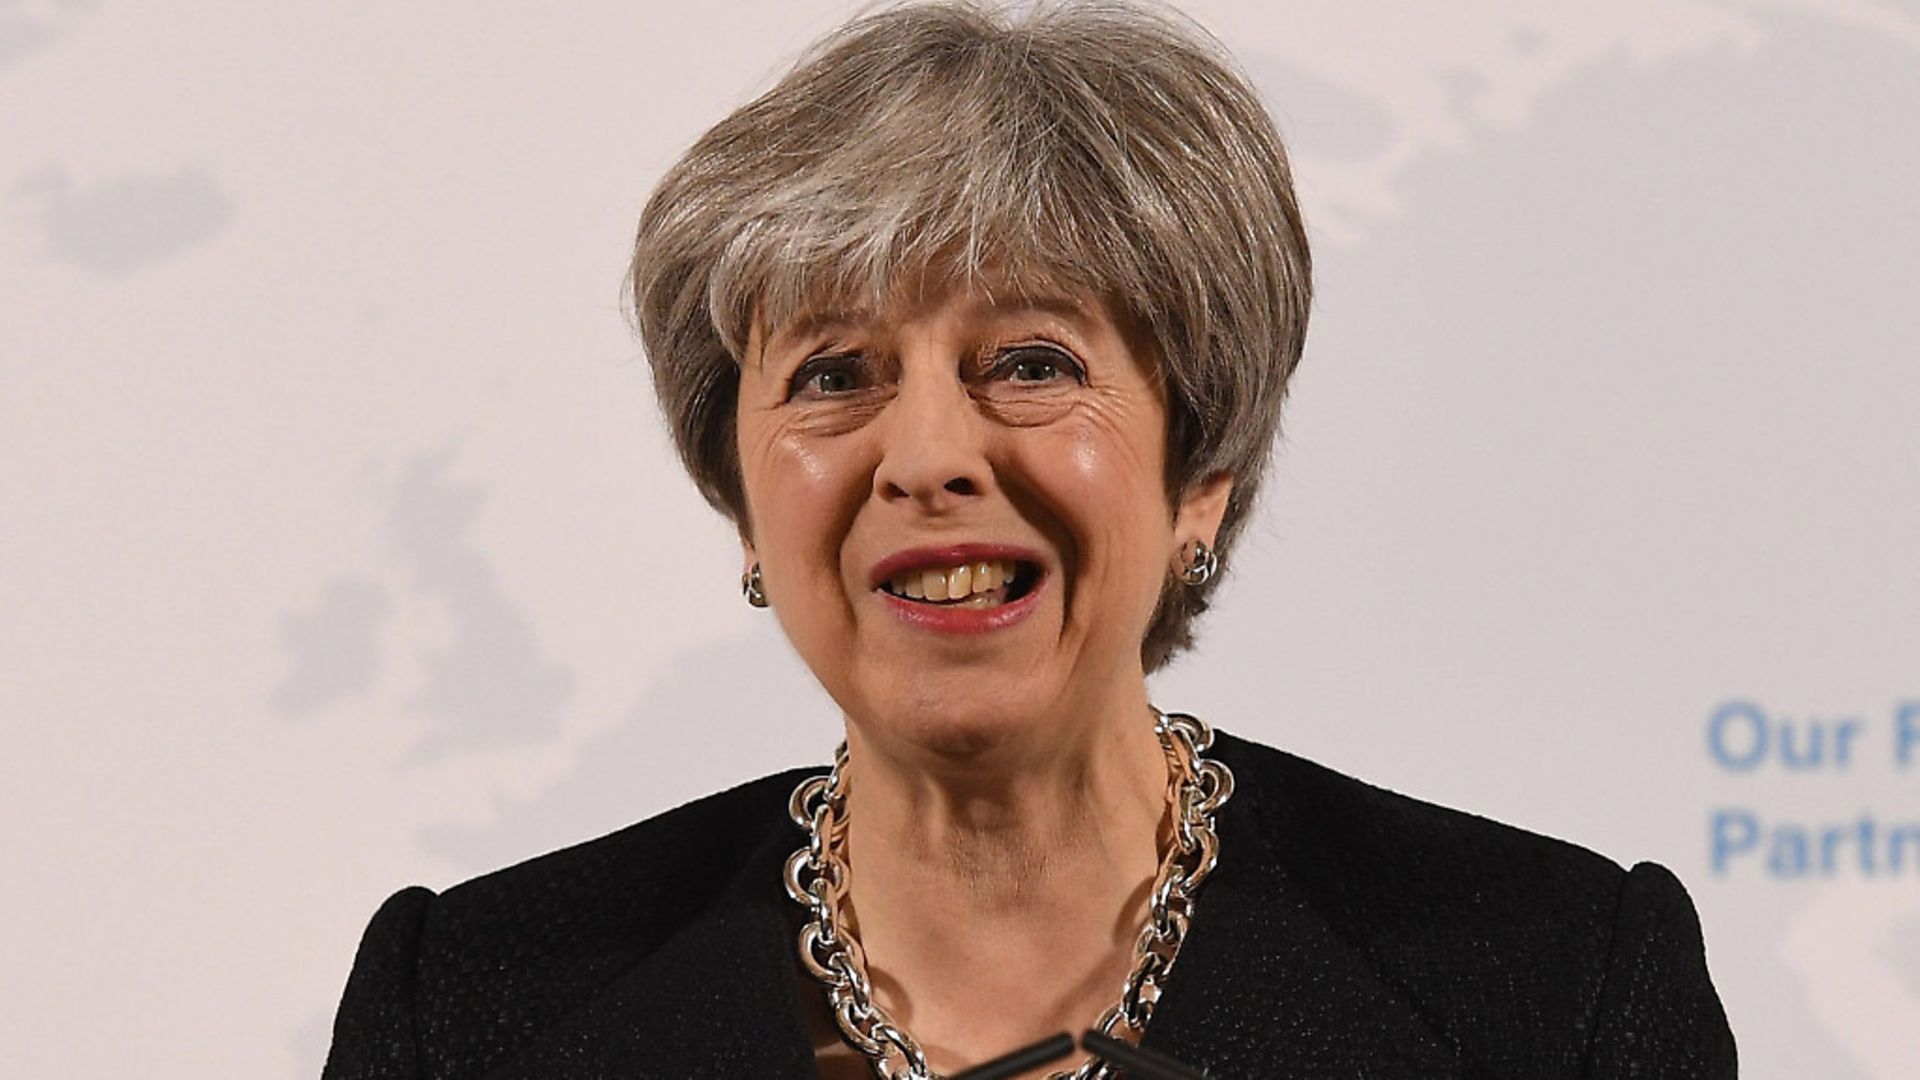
(1136, 1063)
(1051, 1048)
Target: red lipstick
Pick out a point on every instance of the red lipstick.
(952, 555)
(954, 618)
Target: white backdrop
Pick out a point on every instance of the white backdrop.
(341, 547)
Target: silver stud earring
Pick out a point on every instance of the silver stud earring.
(1198, 563)
(750, 587)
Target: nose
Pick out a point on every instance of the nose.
(934, 449)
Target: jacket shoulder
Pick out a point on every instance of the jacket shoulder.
(510, 953)
(648, 875)
(1372, 855)
(1499, 936)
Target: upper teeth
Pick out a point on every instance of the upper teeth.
(952, 583)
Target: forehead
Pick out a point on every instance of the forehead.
(886, 282)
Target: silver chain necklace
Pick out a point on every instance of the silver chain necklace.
(817, 875)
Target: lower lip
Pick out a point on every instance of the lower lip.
(956, 619)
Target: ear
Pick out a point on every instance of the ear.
(1200, 512)
(748, 556)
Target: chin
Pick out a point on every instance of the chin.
(954, 722)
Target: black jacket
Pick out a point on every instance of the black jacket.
(1348, 932)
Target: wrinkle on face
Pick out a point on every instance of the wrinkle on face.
(1071, 465)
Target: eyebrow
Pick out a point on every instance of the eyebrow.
(814, 322)
(811, 323)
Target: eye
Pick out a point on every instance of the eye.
(1037, 364)
(828, 376)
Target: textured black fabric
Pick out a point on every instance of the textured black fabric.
(1348, 932)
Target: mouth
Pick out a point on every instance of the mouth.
(961, 589)
(986, 583)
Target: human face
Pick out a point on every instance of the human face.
(882, 451)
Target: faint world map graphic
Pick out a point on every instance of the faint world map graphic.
(1677, 236)
(1387, 151)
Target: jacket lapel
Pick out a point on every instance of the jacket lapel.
(719, 999)
(1265, 987)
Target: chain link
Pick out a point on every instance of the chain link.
(817, 874)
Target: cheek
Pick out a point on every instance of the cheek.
(1114, 454)
(1104, 471)
(796, 470)
(801, 494)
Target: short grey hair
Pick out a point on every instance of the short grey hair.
(1109, 150)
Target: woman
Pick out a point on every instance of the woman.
(977, 328)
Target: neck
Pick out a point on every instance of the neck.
(1001, 890)
(1015, 818)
